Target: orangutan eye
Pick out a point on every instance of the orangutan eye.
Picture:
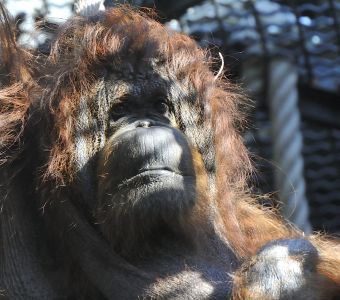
(118, 110)
(161, 106)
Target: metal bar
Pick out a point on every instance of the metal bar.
(335, 22)
(302, 39)
(266, 53)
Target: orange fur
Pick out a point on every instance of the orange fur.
(245, 225)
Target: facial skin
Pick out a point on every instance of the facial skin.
(144, 179)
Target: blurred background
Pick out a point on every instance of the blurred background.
(286, 55)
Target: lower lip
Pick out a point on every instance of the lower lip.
(156, 172)
(152, 173)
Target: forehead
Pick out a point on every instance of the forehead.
(139, 77)
(134, 67)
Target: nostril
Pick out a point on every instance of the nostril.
(144, 124)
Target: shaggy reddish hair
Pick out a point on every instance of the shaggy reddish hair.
(53, 84)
